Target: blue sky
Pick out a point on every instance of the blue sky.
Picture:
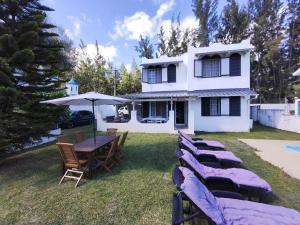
(117, 24)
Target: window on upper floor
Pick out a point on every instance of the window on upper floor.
(235, 65)
(152, 74)
(221, 106)
(171, 70)
(211, 66)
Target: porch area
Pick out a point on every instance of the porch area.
(164, 115)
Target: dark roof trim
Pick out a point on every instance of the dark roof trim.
(196, 93)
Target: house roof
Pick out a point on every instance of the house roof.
(161, 60)
(219, 48)
(196, 93)
(72, 81)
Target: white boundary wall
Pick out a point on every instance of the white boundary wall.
(133, 125)
(278, 119)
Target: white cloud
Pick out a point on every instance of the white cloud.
(77, 23)
(140, 23)
(76, 27)
(108, 52)
(189, 22)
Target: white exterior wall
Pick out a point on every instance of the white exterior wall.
(278, 119)
(135, 126)
(222, 123)
(181, 79)
(223, 82)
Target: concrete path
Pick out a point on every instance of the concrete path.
(275, 152)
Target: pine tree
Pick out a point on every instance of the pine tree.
(125, 85)
(31, 66)
(136, 78)
(174, 40)
(144, 48)
(267, 60)
(206, 12)
(185, 41)
(234, 26)
(162, 43)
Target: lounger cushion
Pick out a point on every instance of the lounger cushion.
(203, 198)
(232, 211)
(223, 155)
(237, 175)
(203, 141)
(238, 212)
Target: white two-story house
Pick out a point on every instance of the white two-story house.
(205, 89)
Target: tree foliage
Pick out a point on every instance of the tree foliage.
(94, 73)
(145, 48)
(234, 23)
(32, 63)
(206, 13)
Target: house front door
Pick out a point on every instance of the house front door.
(180, 113)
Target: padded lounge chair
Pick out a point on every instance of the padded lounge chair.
(222, 157)
(223, 210)
(240, 180)
(203, 143)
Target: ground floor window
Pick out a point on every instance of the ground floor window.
(155, 109)
(221, 106)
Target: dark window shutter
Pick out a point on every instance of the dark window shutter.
(144, 75)
(171, 73)
(235, 106)
(235, 65)
(205, 106)
(145, 109)
(158, 75)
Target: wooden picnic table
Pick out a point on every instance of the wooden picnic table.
(88, 145)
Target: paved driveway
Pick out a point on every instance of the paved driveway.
(281, 153)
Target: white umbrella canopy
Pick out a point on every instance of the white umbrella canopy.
(88, 99)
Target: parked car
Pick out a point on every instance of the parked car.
(77, 118)
(123, 110)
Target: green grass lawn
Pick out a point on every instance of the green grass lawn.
(138, 192)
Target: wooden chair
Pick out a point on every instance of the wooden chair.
(107, 161)
(119, 152)
(79, 137)
(75, 168)
(111, 131)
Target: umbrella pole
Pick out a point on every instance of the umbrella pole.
(94, 130)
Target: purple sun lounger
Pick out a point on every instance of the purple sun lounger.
(203, 143)
(234, 179)
(223, 210)
(222, 157)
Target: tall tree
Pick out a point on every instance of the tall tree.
(267, 60)
(162, 42)
(293, 36)
(206, 12)
(90, 72)
(144, 48)
(234, 24)
(125, 85)
(174, 40)
(31, 66)
(136, 78)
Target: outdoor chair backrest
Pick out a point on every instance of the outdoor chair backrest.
(64, 139)
(68, 155)
(123, 139)
(113, 149)
(111, 131)
(79, 137)
(186, 136)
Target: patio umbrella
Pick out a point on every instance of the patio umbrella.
(88, 99)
